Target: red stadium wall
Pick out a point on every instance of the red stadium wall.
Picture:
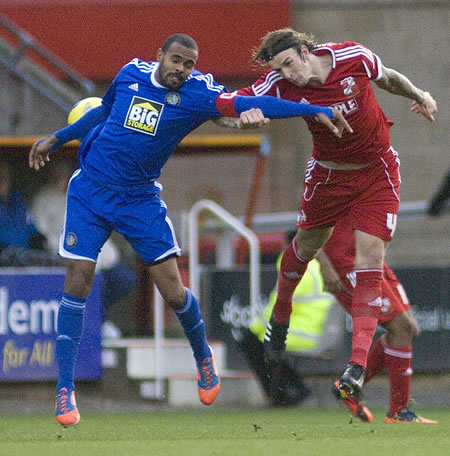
(97, 37)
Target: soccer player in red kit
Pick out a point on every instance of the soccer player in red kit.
(393, 350)
(355, 176)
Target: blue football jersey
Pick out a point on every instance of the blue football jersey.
(146, 122)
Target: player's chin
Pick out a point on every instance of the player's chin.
(174, 83)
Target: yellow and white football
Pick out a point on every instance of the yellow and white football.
(81, 107)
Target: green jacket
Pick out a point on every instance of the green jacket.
(310, 306)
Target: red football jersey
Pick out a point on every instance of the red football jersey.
(348, 89)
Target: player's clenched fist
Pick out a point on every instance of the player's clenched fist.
(253, 118)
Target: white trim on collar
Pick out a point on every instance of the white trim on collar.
(153, 78)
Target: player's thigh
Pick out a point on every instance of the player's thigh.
(84, 231)
(375, 207)
(369, 251)
(143, 221)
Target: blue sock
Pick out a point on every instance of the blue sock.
(70, 327)
(191, 319)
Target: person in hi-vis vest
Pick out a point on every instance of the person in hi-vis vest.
(311, 306)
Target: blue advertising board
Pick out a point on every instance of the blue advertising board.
(29, 302)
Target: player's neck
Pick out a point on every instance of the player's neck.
(322, 67)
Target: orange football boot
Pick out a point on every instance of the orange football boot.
(66, 407)
(208, 380)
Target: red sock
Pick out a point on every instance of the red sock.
(366, 305)
(398, 364)
(291, 271)
(375, 359)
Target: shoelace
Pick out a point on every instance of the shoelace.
(208, 371)
(63, 399)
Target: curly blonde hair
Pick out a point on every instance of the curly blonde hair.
(278, 41)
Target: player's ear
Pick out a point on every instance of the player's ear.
(159, 55)
(305, 52)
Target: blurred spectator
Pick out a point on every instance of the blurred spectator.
(21, 244)
(48, 210)
(310, 334)
(440, 198)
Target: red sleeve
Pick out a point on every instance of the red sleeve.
(371, 63)
(265, 85)
(369, 60)
(225, 104)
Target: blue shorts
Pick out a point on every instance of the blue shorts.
(95, 209)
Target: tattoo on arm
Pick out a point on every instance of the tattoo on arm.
(227, 122)
(398, 84)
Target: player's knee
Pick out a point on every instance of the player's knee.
(308, 244)
(415, 330)
(371, 258)
(406, 328)
(174, 296)
(369, 253)
(79, 277)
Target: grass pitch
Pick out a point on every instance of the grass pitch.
(215, 432)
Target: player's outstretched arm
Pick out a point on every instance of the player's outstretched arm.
(398, 84)
(254, 118)
(40, 151)
(255, 112)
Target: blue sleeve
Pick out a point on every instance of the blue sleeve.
(81, 127)
(276, 108)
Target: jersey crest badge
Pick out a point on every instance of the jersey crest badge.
(143, 115)
(349, 86)
(173, 98)
(71, 240)
(301, 217)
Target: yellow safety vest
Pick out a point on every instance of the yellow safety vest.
(310, 306)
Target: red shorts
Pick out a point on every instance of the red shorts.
(369, 196)
(395, 300)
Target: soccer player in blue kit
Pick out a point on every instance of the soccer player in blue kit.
(148, 109)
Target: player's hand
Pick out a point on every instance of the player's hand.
(426, 108)
(40, 152)
(338, 125)
(253, 118)
(331, 281)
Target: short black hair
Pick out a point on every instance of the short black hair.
(181, 38)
